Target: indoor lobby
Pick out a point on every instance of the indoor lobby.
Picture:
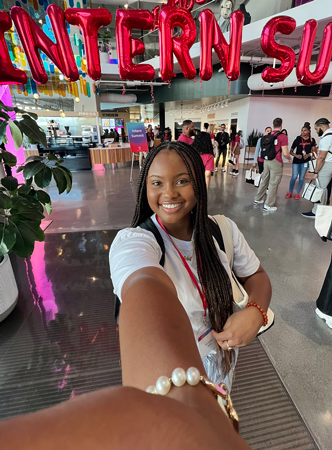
(74, 142)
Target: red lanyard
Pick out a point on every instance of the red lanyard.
(192, 276)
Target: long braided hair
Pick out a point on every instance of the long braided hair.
(212, 275)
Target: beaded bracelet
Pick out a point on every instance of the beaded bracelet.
(180, 377)
(266, 320)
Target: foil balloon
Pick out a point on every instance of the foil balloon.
(324, 59)
(89, 21)
(32, 39)
(169, 18)
(128, 47)
(8, 73)
(213, 38)
(285, 25)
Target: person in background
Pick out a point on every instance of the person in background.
(156, 131)
(188, 132)
(206, 127)
(273, 169)
(106, 134)
(236, 150)
(123, 135)
(257, 157)
(167, 134)
(301, 150)
(222, 139)
(284, 131)
(116, 135)
(323, 171)
(203, 145)
(150, 136)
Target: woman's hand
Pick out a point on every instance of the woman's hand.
(240, 329)
(307, 155)
(298, 156)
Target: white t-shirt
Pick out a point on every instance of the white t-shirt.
(325, 145)
(135, 248)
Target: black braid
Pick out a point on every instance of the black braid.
(213, 278)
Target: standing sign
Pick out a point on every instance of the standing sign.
(137, 137)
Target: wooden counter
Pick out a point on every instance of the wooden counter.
(111, 155)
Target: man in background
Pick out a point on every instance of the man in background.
(323, 171)
(188, 132)
(273, 169)
(223, 140)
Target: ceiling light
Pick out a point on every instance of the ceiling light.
(126, 5)
(63, 114)
(39, 108)
(40, 21)
(28, 107)
(36, 96)
(61, 77)
(77, 99)
(33, 107)
(61, 110)
(47, 110)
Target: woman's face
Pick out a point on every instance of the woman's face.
(305, 133)
(169, 188)
(226, 9)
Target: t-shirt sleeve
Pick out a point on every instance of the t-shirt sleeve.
(237, 138)
(283, 139)
(245, 261)
(313, 141)
(132, 249)
(295, 143)
(325, 144)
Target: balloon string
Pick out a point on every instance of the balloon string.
(152, 96)
(123, 89)
(229, 85)
(295, 87)
(320, 88)
(195, 81)
(201, 83)
(330, 91)
(283, 88)
(169, 84)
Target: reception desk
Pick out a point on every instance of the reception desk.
(111, 155)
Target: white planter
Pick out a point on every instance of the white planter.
(8, 288)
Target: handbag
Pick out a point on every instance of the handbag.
(258, 178)
(313, 192)
(231, 160)
(323, 221)
(312, 166)
(240, 295)
(250, 176)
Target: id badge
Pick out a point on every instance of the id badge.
(306, 165)
(206, 342)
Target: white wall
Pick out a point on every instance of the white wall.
(293, 111)
(260, 9)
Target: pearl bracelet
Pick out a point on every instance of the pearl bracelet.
(180, 377)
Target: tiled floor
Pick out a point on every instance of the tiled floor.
(299, 345)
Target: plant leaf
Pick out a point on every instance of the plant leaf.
(68, 176)
(32, 168)
(30, 114)
(27, 232)
(19, 169)
(9, 158)
(60, 179)
(4, 115)
(9, 183)
(7, 238)
(34, 158)
(48, 208)
(16, 134)
(44, 177)
(5, 201)
(43, 197)
(24, 189)
(32, 130)
(3, 128)
(52, 157)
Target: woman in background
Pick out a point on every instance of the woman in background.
(203, 145)
(237, 144)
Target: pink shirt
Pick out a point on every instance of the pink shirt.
(282, 141)
(208, 161)
(186, 139)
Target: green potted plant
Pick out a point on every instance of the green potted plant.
(23, 202)
(253, 138)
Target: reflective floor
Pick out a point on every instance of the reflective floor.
(65, 287)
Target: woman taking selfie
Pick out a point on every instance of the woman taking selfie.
(172, 204)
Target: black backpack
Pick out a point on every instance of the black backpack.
(268, 146)
(150, 226)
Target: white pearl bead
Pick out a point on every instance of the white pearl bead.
(193, 376)
(179, 377)
(163, 385)
(151, 390)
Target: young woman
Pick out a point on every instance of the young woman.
(203, 145)
(302, 149)
(237, 144)
(172, 192)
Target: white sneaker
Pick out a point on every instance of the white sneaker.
(328, 319)
(216, 169)
(223, 169)
(258, 202)
(270, 208)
